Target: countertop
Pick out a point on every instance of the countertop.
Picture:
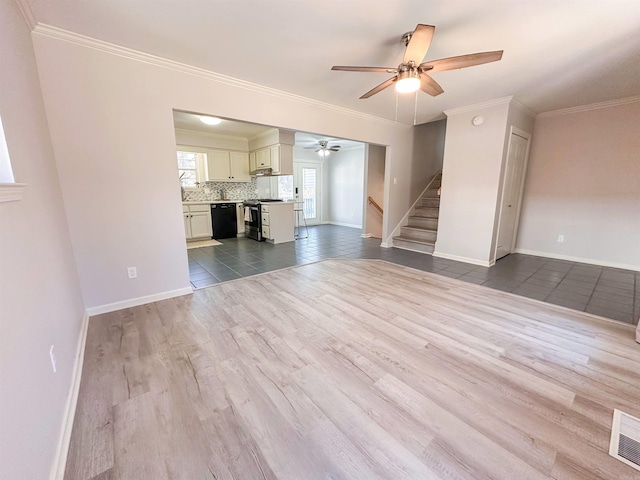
(208, 202)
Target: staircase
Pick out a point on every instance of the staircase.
(420, 233)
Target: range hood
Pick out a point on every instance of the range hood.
(264, 172)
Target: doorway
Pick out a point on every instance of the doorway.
(513, 185)
(307, 188)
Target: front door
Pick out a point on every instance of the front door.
(511, 194)
(306, 190)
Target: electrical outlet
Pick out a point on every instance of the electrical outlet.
(132, 272)
(560, 238)
(53, 359)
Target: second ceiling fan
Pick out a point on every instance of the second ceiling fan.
(323, 149)
(411, 74)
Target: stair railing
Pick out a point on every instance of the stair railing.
(375, 205)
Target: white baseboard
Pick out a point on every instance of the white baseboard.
(386, 245)
(62, 450)
(570, 258)
(457, 258)
(340, 224)
(134, 302)
(366, 235)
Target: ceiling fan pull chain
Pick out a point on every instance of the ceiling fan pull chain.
(396, 119)
(415, 110)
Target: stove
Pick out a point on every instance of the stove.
(256, 201)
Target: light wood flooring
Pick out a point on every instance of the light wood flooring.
(352, 369)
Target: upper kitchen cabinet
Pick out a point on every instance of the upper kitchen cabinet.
(275, 159)
(273, 152)
(282, 159)
(228, 166)
(239, 163)
(263, 158)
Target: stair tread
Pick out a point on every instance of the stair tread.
(430, 230)
(412, 240)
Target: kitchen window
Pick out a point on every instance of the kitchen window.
(9, 189)
(192, 167)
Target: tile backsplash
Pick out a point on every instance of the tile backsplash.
(214, 190)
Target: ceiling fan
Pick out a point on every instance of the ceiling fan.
(323, 149)
(411, 74)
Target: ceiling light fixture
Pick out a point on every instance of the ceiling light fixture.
(324, 153)
(408, 81)
(209, 120)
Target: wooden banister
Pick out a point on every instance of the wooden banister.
(375, 205)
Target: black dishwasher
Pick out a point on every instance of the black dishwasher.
(224, 220)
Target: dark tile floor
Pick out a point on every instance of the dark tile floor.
(604, 291)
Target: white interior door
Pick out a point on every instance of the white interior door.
(511, 194)
(307, 178)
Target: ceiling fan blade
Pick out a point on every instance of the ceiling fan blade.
(366, 69)
(419, 43)
(335, 149)
(379, 88)
(462, 61)
(429, 85)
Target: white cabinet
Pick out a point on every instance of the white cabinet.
(263, 158)
(277, 222)
(197, 221)
(227, 166)
(239, 165)
(252, 162)
(219, 167)
(279, 158)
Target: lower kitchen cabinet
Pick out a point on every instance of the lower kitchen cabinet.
(277, 222)
(197, 221)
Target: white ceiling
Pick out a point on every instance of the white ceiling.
(557, 53)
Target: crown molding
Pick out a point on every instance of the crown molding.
(523, 108)
(478, 106)
(199, 133)
(591, 106)
(93, 43)
(263, 134)
(27, 14)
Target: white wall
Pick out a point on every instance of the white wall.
(40, 298)
(583, 182)
(112, 129)
(472, 175)
(374, 168)
(345, 188)
(470, 183)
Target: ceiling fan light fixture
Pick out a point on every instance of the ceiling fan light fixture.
(408, 81)
(324, 153)
(209, 120)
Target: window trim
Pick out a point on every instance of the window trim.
(202, 164)
(11, 192)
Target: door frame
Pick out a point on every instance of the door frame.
(527, 136)
(319, 185)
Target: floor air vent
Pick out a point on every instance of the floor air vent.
(625, 439)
